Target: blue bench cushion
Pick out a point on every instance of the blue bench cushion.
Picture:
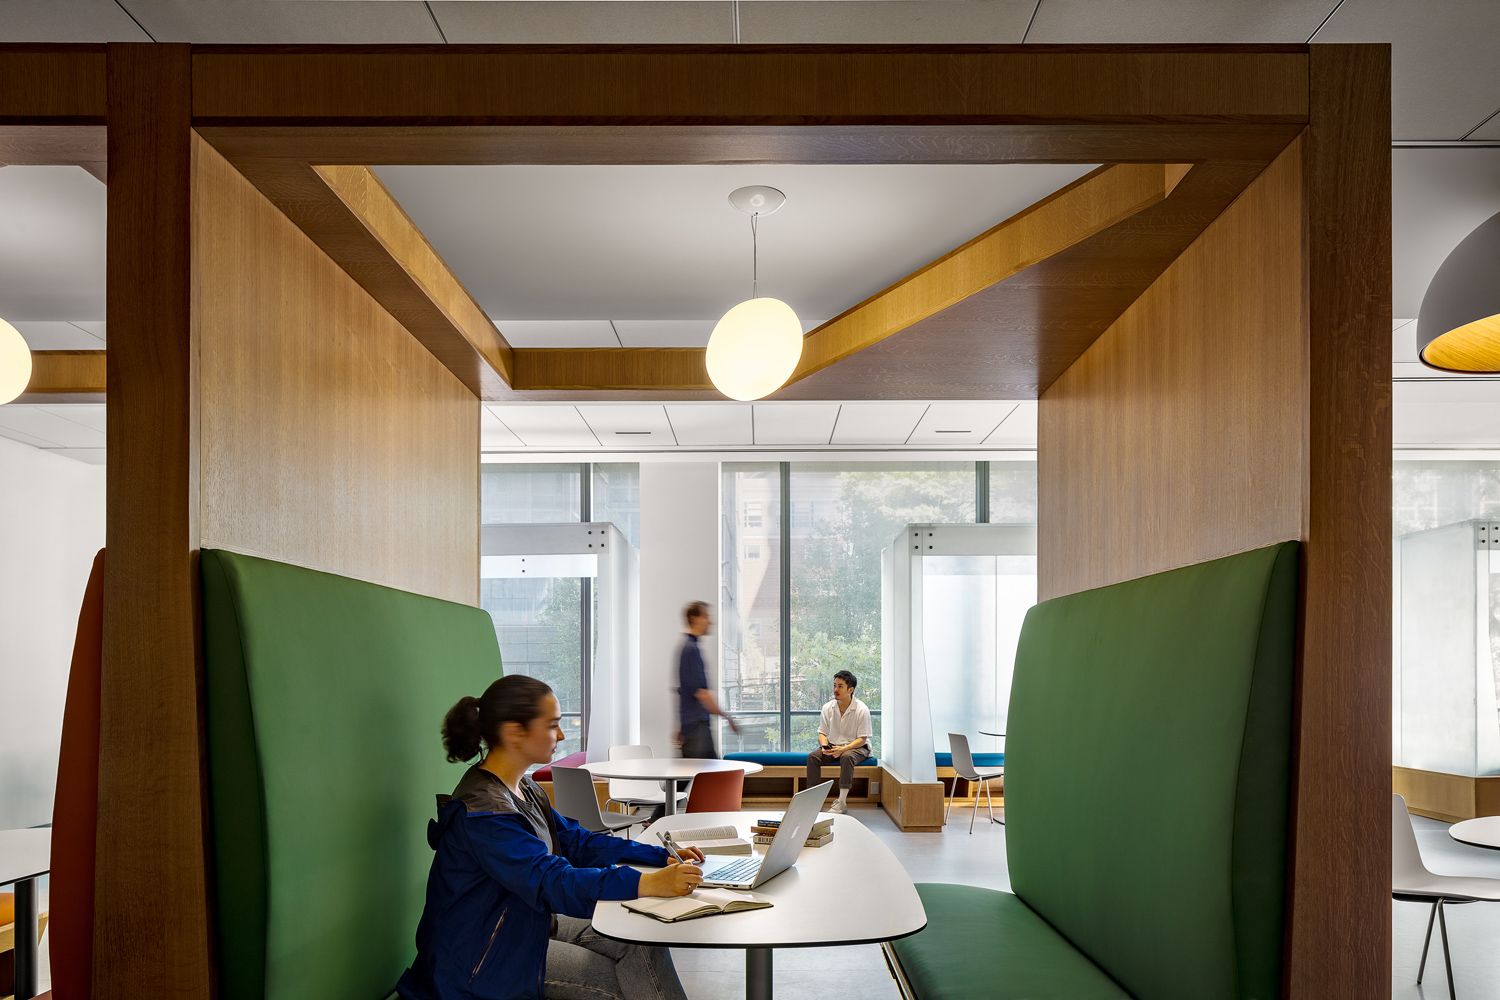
(992, 938)
(777, 759)
(980, 759)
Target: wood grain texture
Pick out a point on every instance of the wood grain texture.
(913, 807)
(151, 920)
(1446, 797)
(329, 436)
(470, 340)
(52, 85)
(1341, 930)
(1179, 436)
(62, 375)
(745, 84)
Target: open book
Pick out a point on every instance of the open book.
(702, 903)
(712, 840)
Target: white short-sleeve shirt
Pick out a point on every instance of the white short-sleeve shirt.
(845, 727)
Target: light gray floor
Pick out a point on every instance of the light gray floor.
(954, 856)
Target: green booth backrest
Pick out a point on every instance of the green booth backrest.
(325, 700)
(1147, 762)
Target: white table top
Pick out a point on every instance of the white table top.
(850, 891)
(1481, 832)
(665, 768)
(24, 854)
(990, 732)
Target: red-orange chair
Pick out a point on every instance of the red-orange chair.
(76, 812)
(716, 791)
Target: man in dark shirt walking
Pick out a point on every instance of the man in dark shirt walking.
(696, 703)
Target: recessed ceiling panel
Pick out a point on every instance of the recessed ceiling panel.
(494, 434)
(581, 22)
(278, 22)
(41, 425)
(67, 21)
(51, 244)
(557, 332)
(712, 425)
(624, 426)
(665, 332)
(545, 426)
(905, 22)
(794, 423)
(877, 423)
(1447, 414)
(659, 243)
(966, 424)
(52, 335)
(1445, 78)
(1177, 21)
(1018, 430)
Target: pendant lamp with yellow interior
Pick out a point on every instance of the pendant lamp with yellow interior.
(1458, 327)
(15, 363)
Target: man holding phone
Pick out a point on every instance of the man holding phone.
(843, 735)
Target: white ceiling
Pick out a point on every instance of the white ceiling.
(641, 427)
(51, 245)
(74, 430)
(555, 253)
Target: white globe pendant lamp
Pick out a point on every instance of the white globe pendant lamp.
(756, 345)
(15, 363)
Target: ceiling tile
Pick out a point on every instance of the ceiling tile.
(38, 423)
(665, 332)
(88, 414)
(794, 423)
(1447, 414)
(1177, 21)
(711, 425)
(1444, 76)
(1490, 130)
(557, 332)
(908, 22)
(547, 426)
(52, 335)
(877, 423)
(494, 434)
(22, 438)
(626, 426)
(1404, 340)
(582, 22)
(959, 423)
(287, 22)
(51, 243)
(67, 21)
(1017, 430)
(89, 456)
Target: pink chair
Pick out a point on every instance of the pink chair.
(716, 791)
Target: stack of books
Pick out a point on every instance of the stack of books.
(764, 831)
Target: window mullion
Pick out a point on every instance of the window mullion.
(786, 605)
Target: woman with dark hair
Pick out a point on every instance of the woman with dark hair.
(514, 882)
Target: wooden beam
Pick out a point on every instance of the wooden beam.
(65, 377)
(152, 922)
(1064, 218)
(46, 86)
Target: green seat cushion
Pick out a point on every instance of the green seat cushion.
(325, 698)
(979, 942)
(1147, 762)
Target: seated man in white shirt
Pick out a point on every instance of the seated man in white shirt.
(843, 735)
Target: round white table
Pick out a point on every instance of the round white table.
(666, 770)
(851, 891)
(25, 855)
(1481, 832)
(987, 732)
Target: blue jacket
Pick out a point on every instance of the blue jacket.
(494, 887)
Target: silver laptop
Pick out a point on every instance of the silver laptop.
(756, 870)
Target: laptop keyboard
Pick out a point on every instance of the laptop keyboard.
(736, 871)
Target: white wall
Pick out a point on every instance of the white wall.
(679, 562)
(51, 525)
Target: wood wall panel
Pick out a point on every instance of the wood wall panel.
(329, 436)
(151, 921)
(1176, 437)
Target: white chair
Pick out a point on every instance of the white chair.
(1411, 882)
(573, 787)
(963, 766)
(631, 792)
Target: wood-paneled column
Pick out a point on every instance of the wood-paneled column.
(151, 920)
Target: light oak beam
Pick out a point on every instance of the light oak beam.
(65, 377)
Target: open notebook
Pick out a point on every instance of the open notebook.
(712, 840)
(702, 903)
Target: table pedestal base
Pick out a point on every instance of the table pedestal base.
(26, 945)
(757, 974)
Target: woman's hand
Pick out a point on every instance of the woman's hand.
(673, 880)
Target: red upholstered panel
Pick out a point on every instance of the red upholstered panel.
(76, 809)
(571, 760)
(716, 791)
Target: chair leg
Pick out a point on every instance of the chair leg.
(973, 811)
(1427, 941)
(989, 798)
(1447, 961)
(947, 801)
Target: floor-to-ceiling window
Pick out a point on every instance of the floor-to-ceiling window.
(801, 576)
(545, 623)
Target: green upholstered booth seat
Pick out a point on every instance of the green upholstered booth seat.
(325, 698)
(1147, 784)
(993, 946)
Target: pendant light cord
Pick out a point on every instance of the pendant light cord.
(734, 8)
(754, 258)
